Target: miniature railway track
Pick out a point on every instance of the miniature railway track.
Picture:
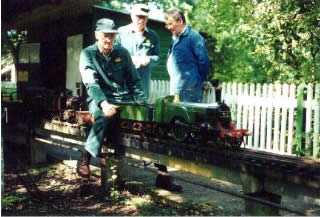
(266, 164)
(301, 170)
(306, 169)
(232, 193)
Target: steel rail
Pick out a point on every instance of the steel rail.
(247, 197)
(241, 154)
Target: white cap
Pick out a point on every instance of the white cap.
(140, 10)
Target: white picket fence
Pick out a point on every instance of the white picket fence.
(268, 111)
(160, 88)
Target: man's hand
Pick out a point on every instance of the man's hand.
(108, 109)
(139, 61)
(176, 98)
(145, 60)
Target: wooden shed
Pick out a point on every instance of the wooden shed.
(56, 34)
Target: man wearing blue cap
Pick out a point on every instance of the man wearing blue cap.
(141, 42)
(110, 77)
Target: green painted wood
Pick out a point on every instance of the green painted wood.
(135, 112)
(299, 118)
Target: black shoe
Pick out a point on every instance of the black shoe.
(83, 168)
(173, 188)
(166, 182)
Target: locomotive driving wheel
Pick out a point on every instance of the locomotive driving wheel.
(179, 129)
(162, 131)
(233, 144)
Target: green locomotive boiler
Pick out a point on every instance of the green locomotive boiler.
(184, 122)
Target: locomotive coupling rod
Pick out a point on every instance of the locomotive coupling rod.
(181, 123)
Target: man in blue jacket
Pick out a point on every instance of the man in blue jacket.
(141, 42)
(188, 61)
(110, 77)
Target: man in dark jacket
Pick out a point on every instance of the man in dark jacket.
(110, 77)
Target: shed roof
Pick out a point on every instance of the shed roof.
(17, 14)
(28, 13)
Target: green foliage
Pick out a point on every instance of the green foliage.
(298, 148)
(10, 200)
(114, 180)
(248, 40)
(262, 41)
(122, 4)
(10, 42)
(255, 40)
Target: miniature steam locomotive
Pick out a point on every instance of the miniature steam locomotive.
(197, 123)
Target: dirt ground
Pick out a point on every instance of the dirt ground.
(54, 188)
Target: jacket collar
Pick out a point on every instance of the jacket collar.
(131, 29)
(186, 31)
(99, 54)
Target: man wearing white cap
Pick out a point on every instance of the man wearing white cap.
(141, 42)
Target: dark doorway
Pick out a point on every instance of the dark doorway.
(53, 63)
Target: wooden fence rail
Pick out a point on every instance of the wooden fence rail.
(282, 118)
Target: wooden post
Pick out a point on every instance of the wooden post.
(316, 128)
(276, 133)
(257, 116)
(245, 110)
(291, 118)
(263, 127)
(284, 117)
(112, 163)
(38, 151)
(251, 115)
(299, 118)
(308, 120)
(269, 118)
(104, 170)
(254, 186)
(239, 106)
